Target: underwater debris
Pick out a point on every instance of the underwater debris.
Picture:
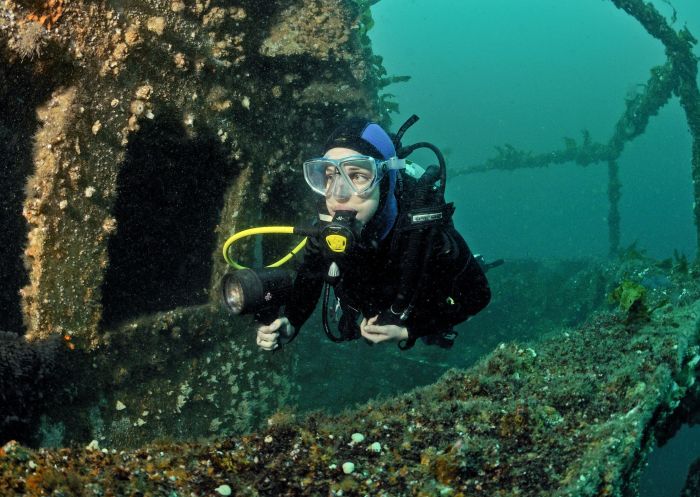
(95, 103)
(677, 76)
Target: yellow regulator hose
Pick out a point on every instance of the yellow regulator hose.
(263, 230)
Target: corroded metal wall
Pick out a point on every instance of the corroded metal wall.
(261, 80)
(139, 135)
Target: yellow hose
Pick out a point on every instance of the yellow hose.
(263, 230)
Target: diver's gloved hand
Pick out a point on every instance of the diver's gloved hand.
(269, 335)
(376, 333)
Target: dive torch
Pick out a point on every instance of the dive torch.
(260, 292)
(263, 291)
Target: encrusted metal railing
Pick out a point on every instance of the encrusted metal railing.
(678, 76)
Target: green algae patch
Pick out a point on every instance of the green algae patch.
(628, 294)
(631, 298)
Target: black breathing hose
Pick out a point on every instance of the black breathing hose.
(406, 151)
(324, 317)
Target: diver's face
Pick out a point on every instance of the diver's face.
(364, 205)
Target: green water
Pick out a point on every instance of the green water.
(531, 73)
(484, 74)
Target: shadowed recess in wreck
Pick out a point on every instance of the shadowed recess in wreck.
(170, 192)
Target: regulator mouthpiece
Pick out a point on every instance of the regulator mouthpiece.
(339, 236)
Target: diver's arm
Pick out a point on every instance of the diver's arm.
(470, 295)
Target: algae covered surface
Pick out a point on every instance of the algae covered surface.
(571, 415)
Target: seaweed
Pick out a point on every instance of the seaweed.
(631, 299)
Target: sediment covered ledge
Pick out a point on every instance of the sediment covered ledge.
(572, 415)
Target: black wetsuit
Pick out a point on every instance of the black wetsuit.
(455, 288)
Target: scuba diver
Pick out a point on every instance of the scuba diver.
(408, 273)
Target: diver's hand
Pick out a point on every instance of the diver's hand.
(269, 335)
(381, 333)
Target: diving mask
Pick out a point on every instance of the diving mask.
(352, 175)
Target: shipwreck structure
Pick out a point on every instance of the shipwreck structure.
(677, 77)
(138, 134)
(574, 415)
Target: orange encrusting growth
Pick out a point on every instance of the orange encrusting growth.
(50, 13)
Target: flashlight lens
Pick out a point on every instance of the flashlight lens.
(233, 295)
